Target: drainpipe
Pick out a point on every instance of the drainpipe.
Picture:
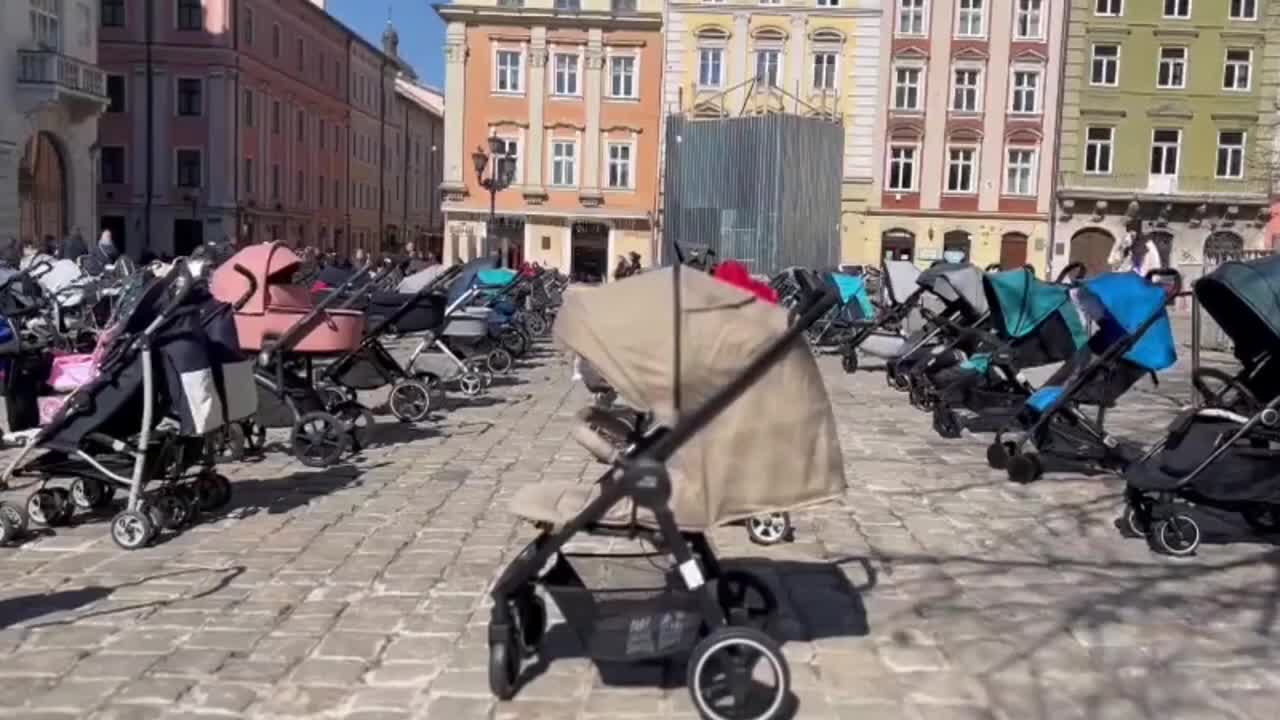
(149, 34)
(235, 118)
(346, 191)
(404, 195)
(1057, 142)
(382, 154)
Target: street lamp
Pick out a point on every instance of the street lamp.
(502, 171)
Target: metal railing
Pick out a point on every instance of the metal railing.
(47, 67)
(1145, 183)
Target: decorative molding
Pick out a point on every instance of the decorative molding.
(769, 32)
(832, 35)
(1171, 111)
(910, 52)
(566, 125)
(628, 128)
(1172, 32)
(1236, 117)
(509, 123)
(509, 37)
(971, 53)
(1030, 55)
(1103, 112)
(1095, 30)
(1245, 36)
(538, 58)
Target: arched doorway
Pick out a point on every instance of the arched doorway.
(956, 245)
(1092, 247)
(1013, 251)
(1223, 245)
(42, 190)
(898, 244)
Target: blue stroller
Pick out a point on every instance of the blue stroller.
(853, 310)
(1133, 340)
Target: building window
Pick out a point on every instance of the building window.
(1108, 8)
(1244, 9)
(302, 55)
(829, 3)
(337, 193)
(824, 70)
(1172, 72)
(967, 90)
(1098, 150)
(911, 17)
(188, 168)
(301, 188)
(1028, 24)
(1164, 152)
(710, 67)
(275, 181)
(320, 186)
(115, 94)
(46, 23)
(1105, 65)
(512, 147)
(573, 5)
(248, 175)
(1020, 172)
(1177, 8)
(302, 126)
(1231, 154)
(566, 74)
(768, 67)
(1025, 98)
(248, 26)
(247, 108)
(113, 13)
(619, 165)
(112, 165)
(275, 41)
(563, 163)
(962, 170)
(906, 88)
(622, 77)
(1235, 74)
(275, 117)
(970, 20)
(190, 91)
(508, 79)
(190, 15)
(902, 168)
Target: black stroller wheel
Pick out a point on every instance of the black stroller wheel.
(167, 510)
(213, 491)
(359, 422)
(945, 422)
(504, 661)
(8, 532)
(770, 528)
(499, 361)
(410, 400)
(1024, 468)
(132, 529)
(850, 361)
(998, 454)
(90, 493)
(514, 341)
(1137, 520)
(1263, 519)
(255, 436)
(530, 613)
(1178, 535)
(318, 439)
(736, 673)
(48, 507)
(13, 522)
(746, 599)
(535, 324)
(333, 397)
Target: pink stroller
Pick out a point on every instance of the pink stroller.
(289, 328)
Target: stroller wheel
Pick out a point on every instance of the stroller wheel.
(333, 397)
(530, 613)
(410, 400)
(738, 672)
(514, 341)
(945, 423)
(504, 661)
(319, 439)
(471, 384)
(1178, 535)
(88, 493)
(255, 436)
(213, 491)
(167, 510)
(1137, 520)
(746, 599)
(998, 454)
(850, 361)
(1263, 519)
(535, 324)
(770, 528)
(359, 421)
(49, 507)
(499, 361)
(13, 522)
(1025, 468)
(132, 529)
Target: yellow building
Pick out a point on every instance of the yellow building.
(806, 57)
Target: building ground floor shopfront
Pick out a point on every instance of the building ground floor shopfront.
(47, 184)
(584, 247)
(982, 240)
(175, 229)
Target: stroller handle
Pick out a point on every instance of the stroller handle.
(253, 285)
(1175, 288)
(1071, 273)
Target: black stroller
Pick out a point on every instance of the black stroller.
(1133, 340)
(898, 317)
(1221, 455)
(164, 380)
(738, 451)
(945, 340)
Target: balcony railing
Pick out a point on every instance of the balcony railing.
(622, 7)
(47, 67)
(1146, 184)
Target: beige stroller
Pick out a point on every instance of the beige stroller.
(742, 427)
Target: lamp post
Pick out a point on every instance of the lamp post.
(502, 171)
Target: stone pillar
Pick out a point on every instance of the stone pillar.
(741, 66)
(455, 78)
(535, 191)
(797, 61)
(590, 183)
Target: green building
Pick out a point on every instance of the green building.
(1167, 125)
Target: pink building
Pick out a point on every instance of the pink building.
(249, 130)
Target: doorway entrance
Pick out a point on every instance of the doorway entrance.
(589, 252)
(898, 245)
(1013, 251)
(1092, 248)
(187, 236)
(955, 246)
(42, 190)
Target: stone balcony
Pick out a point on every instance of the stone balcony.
(1179, 188)
(47, 76)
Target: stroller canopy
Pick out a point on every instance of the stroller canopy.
(774, 448)
(1024, 302)
(1244, 299)
(1121, 302)
(268, 263)
(467, 277)
(495, 278)
(416, 282)
(956, 282)
(900, 278)
(853, 289)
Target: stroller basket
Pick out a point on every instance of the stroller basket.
(652, 617)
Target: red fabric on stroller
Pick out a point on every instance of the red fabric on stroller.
(735, 274)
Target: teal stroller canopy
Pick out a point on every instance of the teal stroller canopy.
(1022, 303)
(1244, 299)
(853, 290)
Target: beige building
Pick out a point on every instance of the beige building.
(422, 161)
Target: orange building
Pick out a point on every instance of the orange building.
(574, 95)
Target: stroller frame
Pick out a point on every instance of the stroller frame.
(471, 379)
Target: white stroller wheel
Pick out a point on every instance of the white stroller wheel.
(736, 673)
(89, 493)
(13, 520)
(410, 400)
(1178, 536)
(770, 528)
(471, 384)
(132, 529)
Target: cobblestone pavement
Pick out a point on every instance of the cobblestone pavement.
(933, 590)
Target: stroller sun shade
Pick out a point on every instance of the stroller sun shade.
(1120, 303)
(900, 278)
(853, 292)
(1022, 304)
(1244, 299)
(466, 279)
(956, 283)
(772, 449)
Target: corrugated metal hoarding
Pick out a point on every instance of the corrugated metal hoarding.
(763, 190)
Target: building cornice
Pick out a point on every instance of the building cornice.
(525, 17)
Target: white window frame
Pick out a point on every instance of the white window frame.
(1239, 149)
(518, 141)
(635, 76)
(630, 145)
(1116, 8)
(1228, 63)
(1177, 153)
(1023, 8)
(1185, 62)
(915, 167)
(576, 75)
(176, 174)
(1114, 60)
(1164, 9)
(973, 162)
(1038, 98)
(961, 10)
(779, 68)
(978, 88)
(1110, 146)
(1033, 171)
(1235, 7)
(46, 21)
(575, 158)
(920, 87)
(917, 9)
(499, 71)
(719, 51)
(834, 67)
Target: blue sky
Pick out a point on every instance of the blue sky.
(421, 32)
